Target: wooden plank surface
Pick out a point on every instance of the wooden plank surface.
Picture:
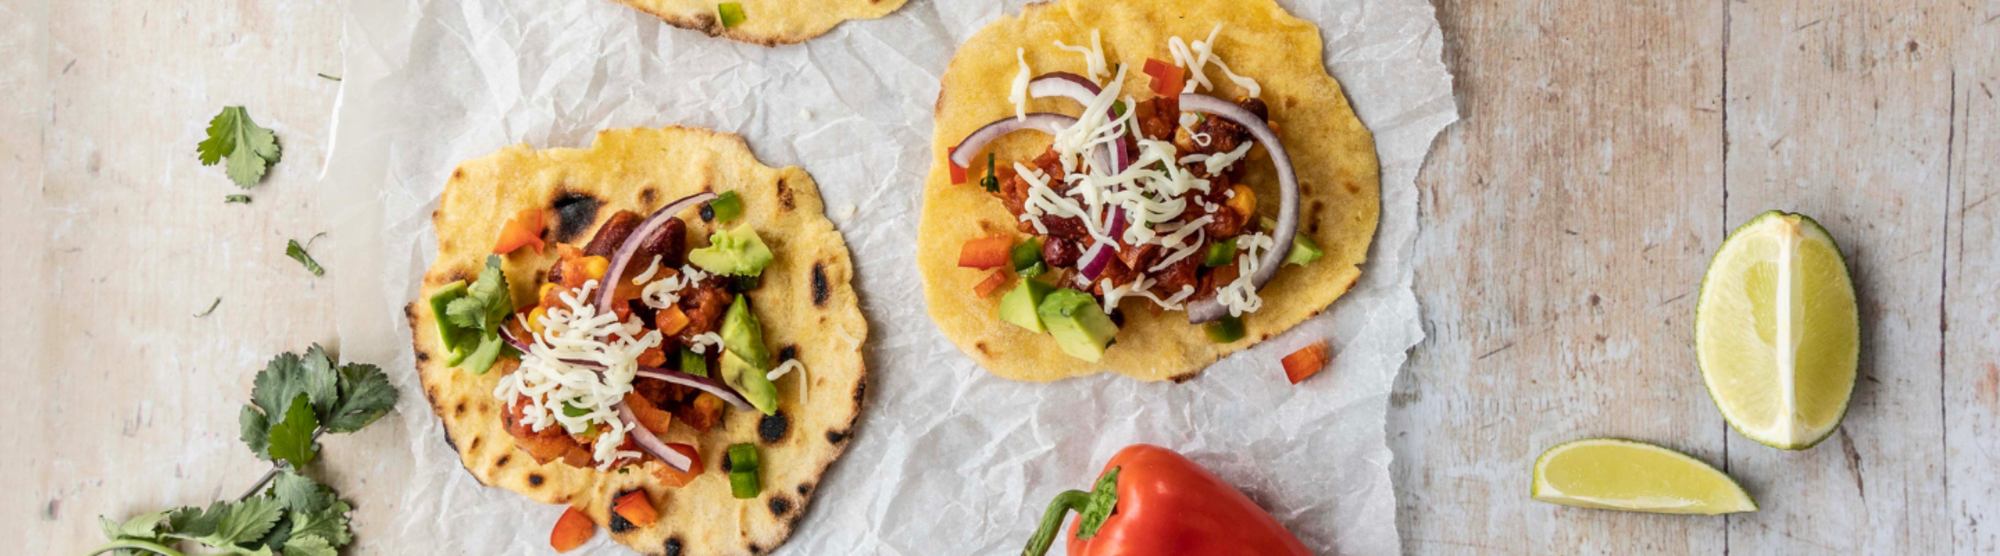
(1566, 222)
(1607, 148)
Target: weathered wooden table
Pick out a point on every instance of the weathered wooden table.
(1608, 147)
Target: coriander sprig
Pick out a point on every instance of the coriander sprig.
(307, 396)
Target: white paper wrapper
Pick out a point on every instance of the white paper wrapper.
(947, 459)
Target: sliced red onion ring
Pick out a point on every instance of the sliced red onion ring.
(646, 230)
(1064, 84)
(702, 383)
(962, 155)
(1209, 308)
(1117, 222)
(1096, 259)
(650, 444)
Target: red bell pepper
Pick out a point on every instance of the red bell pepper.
(523, 229)
(1151, 501)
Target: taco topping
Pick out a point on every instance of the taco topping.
(1138, 200)
(612, 352)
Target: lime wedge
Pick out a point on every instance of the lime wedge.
(1613, 474)
(1776, 331)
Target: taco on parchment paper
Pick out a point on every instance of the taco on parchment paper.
(694, 407)
(1105, 194)
(765, 22)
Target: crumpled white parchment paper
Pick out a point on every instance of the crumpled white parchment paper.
(947, 459)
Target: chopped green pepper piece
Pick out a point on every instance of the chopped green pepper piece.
(1224, 330)
(693, 363)
(731, 12)
(726, 207)
(1220, 253)
(1304, 249)
(448, 335)
(1026, 256)
(744, 482)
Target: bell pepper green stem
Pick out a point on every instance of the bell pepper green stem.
(153, 547)
(1092, 509)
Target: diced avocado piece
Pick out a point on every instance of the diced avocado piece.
(749, 380)
(724, 208)
(447, 332)
(744, 357)
(1304, 251)
(468, 340)
(734, 252)
(1018, 306)
(1079, 326)
(481, 359)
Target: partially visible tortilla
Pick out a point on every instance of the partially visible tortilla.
(765, 22)
(1339, 181)
(806, 301)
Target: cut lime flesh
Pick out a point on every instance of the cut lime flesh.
(1615, 474)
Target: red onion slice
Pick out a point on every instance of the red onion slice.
(718, 388)
(1208, 309)
(1095, 260)
(650, 444)
(962, 155)
(646, 230)
(702, 383)
(1064, 84)
(1117, 222)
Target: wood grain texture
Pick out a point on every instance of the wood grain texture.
(1842, 111)
(117, 236)
(1566, 223)
(1972, 285)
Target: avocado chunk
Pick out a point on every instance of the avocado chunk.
(737, 252)
(1304, 250)
(448, 334)
(1018, 306)
(1079, 326)
(745, 359)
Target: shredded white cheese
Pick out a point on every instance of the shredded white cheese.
(1216, 164)
(1188, 120)
(664, 292)
(1240, 296)
(551, 384)
(785, 368)
(1197, 58)
(700, 342)
(1093, 57)
(1019, 96)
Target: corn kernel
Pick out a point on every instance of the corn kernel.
(1245, 201)
(535, 320)
(544, 293)
(595, 267)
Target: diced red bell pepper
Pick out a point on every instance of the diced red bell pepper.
(648, 416)
(957, 173)
(670, 477)
(571, 531)
(671, 320)
(986, 287)
(636, 508)
(1306, 361)
(523, 229)
(1168, 79)
(986, 252)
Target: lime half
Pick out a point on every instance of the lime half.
(1613, 474)
(1777, 333)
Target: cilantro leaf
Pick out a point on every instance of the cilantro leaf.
(309, 546)
(321, 382)
(142, 526)
(330, 524)
(292, 438)
(196, 522)
(365, 394)
(467, 312)
(240, 523)
(250, 148)
(282, 379)
(301, 494)
(256, 431)
(298, 253)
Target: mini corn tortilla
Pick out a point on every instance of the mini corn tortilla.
(1334, 156)
(765, 22)
(806, 302)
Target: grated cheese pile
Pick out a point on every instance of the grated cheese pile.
(573, 396)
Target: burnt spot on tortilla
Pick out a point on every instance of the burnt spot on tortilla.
(754, 549)
(772, 428)
(673, 546)
(502, 462)
(805, 489)
(860, 389)
(981, 346)
(431, 392)
(575, 211)
(423, 356)
(832, 437)
(1312, 222)
(821, 291)
(542, 275)
(1182, 379)
(448, 440)
(780, 506)
(618, 522)
(460, 410)
(475, 443)
(784, 195)
(535, 479)
(1353, 188)
(788, 352)
(457, 173)
(648, 195)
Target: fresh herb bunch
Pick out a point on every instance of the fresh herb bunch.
(295, 399)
